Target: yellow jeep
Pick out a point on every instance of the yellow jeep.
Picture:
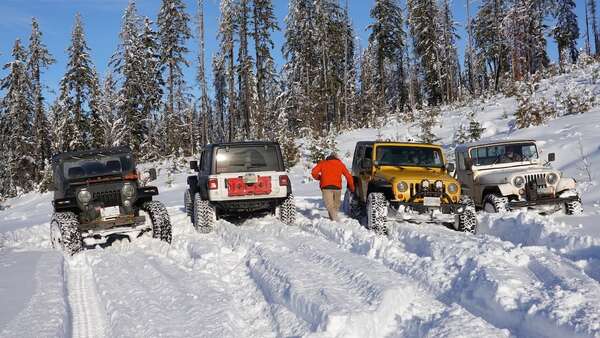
(405, 178)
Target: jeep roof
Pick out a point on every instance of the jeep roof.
(108, 151)
(464, 147)
(399, 143)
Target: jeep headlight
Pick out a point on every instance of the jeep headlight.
(84, 196)
(452, 188)
(439, 185)
(402, 186)
(552, 178)
(128, 191)
(519, 181)
(425, 184)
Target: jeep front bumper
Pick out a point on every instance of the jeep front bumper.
(541, 202)
(444, 208)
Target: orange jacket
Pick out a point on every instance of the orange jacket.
(329, 173)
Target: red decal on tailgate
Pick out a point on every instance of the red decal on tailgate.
(237, 186)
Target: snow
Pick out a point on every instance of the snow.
(523, 274)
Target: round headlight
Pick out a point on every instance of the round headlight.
(425, 184)
(128, 191)
(439, 185)
(452, 188)
(519, 181)
(552, 178)
(402, 186)
(84, 196)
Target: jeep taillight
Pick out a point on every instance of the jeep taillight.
(284, 180)
(213, 184)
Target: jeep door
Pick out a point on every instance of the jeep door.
(365, 173)
(464, 174)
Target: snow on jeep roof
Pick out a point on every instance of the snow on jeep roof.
(463, 147)
(108, 151)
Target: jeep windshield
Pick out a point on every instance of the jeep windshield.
(75, 168)
(409, 156)
(504, 153)
(236, 159)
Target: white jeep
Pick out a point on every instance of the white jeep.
(239, 180)
(505, 175)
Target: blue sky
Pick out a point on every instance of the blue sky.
(102, 20)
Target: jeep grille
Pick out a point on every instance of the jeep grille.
(417, 190)
(107, 198)
(539, 180)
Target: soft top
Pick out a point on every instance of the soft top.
(399, 143)
(83, 153)
(464, 147)
(246, 143)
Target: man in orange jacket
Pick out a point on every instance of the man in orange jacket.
(329, 174)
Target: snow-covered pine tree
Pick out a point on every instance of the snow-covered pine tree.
(490, 45)
(388, 38)
(246, 79)
(267, 89)
(428, 120)
(76, 87)
(173, 33)
(114, 129)
(594, 22)
(96, 132)
(220, 100)
(423, 16)
(151, 82)
(227, 29)
(16, 113)
(207, 125)
(566, 31)
(450, 72)
(39, 58)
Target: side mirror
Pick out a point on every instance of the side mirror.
(194, 165)
(152, 173)
(450, 167)
(551, 157)
(366, 163)
(468, 163)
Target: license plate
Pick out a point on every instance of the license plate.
(110, 212)
(250, 179)
(431, 201)
(544, 191)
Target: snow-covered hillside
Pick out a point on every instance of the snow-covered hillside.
(522, 274)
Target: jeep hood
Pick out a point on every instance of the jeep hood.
(503, 175)
(409, 174)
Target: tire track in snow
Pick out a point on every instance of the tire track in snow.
(88, 318)
(342, 294)
(532, 293)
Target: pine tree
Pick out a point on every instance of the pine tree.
(245, 72)
(75, 92)
(450, 74)
(263, 24)
(592, 9)
(422, 17)
(227, 30)
(173, 32)
(566, 31)
(113, 125)
(17, 141)
(388, 38)
(206, 120)
(39, 59)
(220, 87)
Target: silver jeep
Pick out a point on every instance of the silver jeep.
(505, 175)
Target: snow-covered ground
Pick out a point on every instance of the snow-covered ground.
(522, 274)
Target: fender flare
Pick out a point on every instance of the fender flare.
(566, 183)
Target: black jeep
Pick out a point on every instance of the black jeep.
(239, 180)
(98, 196)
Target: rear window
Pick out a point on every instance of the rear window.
(247, 159)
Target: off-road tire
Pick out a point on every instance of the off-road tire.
(377, 211)
(188, 202)
(498, 203)
(287, 211)
(161, 223)
(350, 205)
(205, 215)
(65, 226)
(573, 208)
(467, 221)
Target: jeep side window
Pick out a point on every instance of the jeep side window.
(204, 166)
(357, 158)
(368, 152)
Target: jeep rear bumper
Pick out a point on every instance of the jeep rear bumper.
(542, 202)
(250, 205)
